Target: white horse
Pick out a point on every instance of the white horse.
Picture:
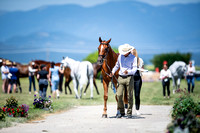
(178, 69)
(81, 73)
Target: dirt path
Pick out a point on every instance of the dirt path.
(87, 119)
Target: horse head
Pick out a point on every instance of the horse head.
(65, 61)
(103, 50)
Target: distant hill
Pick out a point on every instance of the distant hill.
(151, 29)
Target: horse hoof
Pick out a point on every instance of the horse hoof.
(84, 94)
(91, 97)
(104, 116)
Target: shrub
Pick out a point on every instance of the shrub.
(11, 102)
(183, 105)
(186, 115)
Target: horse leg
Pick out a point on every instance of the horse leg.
(94, 82)
(81, 88)
(178, 82)
(86, 88)
(76, 88)
(91, 87)
(105, 85)
(174, 84)
(66, 87)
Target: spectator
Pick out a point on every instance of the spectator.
(31, 77)
(4, 75)
(43, 77)
(165, 74)
(190, 76)
(54, 74)
(13, 79)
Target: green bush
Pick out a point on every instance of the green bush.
(185, 115)
(170, 58)
(183, 105)
(11, 102)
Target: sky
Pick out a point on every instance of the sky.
(24, 5)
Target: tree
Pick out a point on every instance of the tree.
(170, 58)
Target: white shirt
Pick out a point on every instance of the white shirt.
(4, 69)
(164, 73)
(128, 63)
(190, 70)
(31, 71)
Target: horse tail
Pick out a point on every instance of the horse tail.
(88, 74)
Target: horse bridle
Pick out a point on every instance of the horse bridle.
(107, 50)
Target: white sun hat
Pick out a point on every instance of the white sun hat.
(125, 48)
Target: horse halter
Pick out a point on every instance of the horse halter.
(106, 49)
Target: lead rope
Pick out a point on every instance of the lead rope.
(112, 83)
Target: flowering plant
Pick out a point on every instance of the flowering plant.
(11, 102)
(2, 114)
(21, 111)
(43, 103)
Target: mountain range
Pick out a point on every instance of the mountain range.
(50, 32)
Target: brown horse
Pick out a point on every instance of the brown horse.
(96, 70)
(107, 58)
(67, 72)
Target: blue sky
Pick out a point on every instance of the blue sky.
(23, 5)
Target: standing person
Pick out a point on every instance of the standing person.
(4, 75)
(43, 77)
(165, 74)
(54, 74)
(13, 80)
(190, 76)
(138, 81)
(31, 77)
(127, 63)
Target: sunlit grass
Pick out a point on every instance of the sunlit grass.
(151, 94)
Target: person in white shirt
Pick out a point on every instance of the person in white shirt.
(190, 76)
(4, 75)
(165, 74)
(31, 76)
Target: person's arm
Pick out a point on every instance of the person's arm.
(61, 70)
(31, 69)
(116, 67)
(134, 69)
(49, 75)
(38, 76)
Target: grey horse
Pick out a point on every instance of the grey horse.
(178, 70)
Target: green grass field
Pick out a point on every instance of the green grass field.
(151, 94)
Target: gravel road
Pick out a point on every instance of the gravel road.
(87, 119)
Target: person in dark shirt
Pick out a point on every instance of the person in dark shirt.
(13, 79)
(42, 76)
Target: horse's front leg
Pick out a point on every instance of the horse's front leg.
(105, 86)
(91, 87)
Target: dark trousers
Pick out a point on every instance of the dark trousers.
(166, 84)
(43, 84)
(190, 79)
(31, 80)
(43, 90)
(137, 89)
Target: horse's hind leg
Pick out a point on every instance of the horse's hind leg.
(94, 82)
(105, 85)
(86, 88)
(76, 88)
(66, 84)
(91, 88)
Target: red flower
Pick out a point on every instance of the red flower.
(17, 110)
(12, 109)
(13, 112)
(22, 113)
(22, 105)
(9, 113)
